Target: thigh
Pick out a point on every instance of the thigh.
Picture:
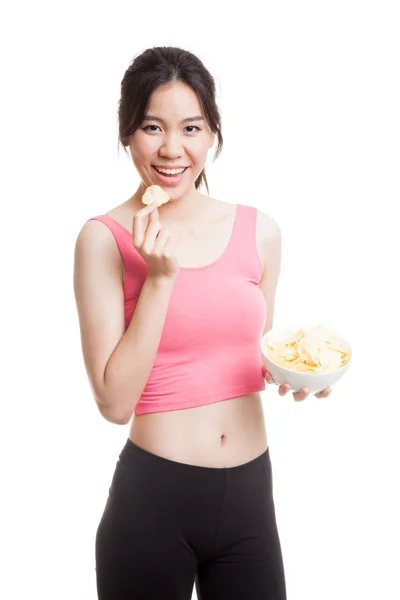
(140, 552)
(247, 560)
(250, 569)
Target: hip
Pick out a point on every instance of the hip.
(153, 500)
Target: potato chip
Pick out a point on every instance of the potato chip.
(155, 193)
(315, 350)
(329, 359)
(308, 351)
(305, 368)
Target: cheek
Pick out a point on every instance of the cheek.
(199, 150)
(143, 147)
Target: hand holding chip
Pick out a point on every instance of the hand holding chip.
(284, 388)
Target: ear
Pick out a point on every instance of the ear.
(126, 141)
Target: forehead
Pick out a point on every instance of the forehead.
(177, 100)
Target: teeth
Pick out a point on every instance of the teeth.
(170, 171)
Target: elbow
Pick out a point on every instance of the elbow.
(113, 416)
(119, 413)
(123, 419)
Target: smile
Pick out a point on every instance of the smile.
(170, 171)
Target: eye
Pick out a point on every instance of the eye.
(147, 127)
(192, 128)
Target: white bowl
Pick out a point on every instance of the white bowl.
(315, 382)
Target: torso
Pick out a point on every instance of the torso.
(224, 434)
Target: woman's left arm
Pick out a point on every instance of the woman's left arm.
(269, 233)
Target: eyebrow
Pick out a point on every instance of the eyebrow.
(152, 118)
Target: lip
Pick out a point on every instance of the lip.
(169, 181)
(170, 166)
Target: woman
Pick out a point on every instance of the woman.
(172, 304)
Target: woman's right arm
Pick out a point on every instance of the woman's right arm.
(119, 362)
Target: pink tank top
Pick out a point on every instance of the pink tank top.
(210, 346)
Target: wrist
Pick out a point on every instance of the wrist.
(161, 280)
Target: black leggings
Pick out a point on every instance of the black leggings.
(169, 525)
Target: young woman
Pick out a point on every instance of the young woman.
(172, 303)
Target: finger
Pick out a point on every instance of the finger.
(169, 250)
(284, 389)
(153, 229)
(268, 377)
(160, 242)
(301, 394)
(154, 214)
(140, 220)
(324, 394)
(147, 208)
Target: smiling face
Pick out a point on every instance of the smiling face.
(174, 135)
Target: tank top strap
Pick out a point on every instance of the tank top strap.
(244, 243)
(246, 221)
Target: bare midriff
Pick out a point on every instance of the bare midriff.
(223, 434)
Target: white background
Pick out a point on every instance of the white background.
(309, 94)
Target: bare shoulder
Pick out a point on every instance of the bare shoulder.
(267, 227)
(96, 240)
(268, 234)
(96, 259)
(92, 232)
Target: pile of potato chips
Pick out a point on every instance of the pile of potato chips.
(314, 350)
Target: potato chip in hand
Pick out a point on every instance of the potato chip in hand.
(155, 193)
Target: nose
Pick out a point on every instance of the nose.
(171, 146)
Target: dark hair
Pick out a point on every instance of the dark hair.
(158, 66)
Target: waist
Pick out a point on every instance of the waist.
(222, 434)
